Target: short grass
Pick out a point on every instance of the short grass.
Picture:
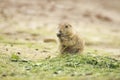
(62, 67)
(17, 63)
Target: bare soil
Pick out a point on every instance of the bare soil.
(98, 21)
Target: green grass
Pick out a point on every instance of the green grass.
(64, 67)
(89, 66)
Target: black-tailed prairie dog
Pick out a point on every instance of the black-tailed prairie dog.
(70, 41)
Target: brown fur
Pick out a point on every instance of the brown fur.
(70, 42)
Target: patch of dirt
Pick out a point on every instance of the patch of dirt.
(96, 20)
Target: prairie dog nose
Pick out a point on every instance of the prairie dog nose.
(58, 34)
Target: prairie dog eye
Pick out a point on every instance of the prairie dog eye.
(66, 26)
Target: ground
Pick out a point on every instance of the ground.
(25, 25)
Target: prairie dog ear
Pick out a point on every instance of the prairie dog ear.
(70, 25)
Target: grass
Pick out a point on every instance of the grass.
(89, 66)
(64, 67)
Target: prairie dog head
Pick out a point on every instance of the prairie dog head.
(64, 30)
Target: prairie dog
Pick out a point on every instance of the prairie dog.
(70, 41)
